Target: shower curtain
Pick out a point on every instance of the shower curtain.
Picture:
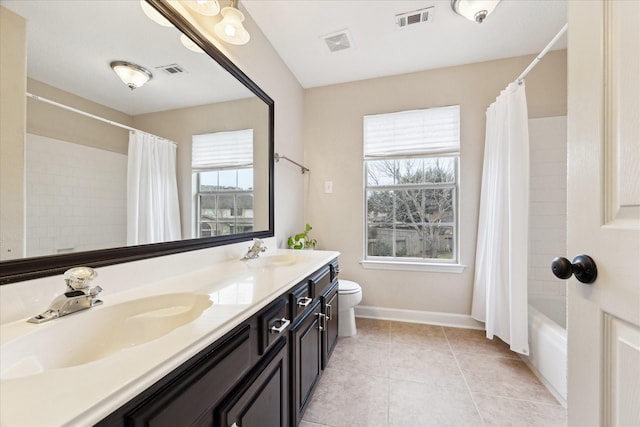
(153, 213)
(500, 285)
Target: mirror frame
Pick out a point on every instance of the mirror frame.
(32, 268)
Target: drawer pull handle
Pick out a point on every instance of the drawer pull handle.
(329, 311)
(322, 322)
(283, 325)
(303, 302)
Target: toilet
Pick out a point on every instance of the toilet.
(349, 295)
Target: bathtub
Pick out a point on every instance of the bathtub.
(548, 343)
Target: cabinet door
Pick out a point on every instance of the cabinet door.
(262, 398)
(330, 333)
(306, 360)
(189, 400)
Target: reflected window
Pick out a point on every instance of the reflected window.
(222, 164)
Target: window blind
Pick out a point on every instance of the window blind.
(222, 150)
(411, 133)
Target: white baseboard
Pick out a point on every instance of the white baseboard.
(415, 316)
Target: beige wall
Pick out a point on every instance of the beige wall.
(333, 151)
(180, 125)
(261, 63)
(54, 122)
(13, 66)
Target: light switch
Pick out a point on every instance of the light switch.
(328, 186)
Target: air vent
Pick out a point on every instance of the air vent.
(338, 41)
(172, 69)
(405, 20)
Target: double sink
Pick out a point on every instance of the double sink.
(100, 332)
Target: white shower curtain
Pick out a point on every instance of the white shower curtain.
(500, 285)
(153, 214)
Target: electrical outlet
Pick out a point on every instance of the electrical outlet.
(328, 186)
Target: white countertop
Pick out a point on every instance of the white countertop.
(83, 395)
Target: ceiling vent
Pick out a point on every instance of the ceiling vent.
(172, 69)
(338, 41)
(408, 19)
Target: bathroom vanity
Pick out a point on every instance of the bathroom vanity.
(251, 357)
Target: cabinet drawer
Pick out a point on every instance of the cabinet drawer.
(181, 402)
(273, 323)
(301, 299)
(321, 281)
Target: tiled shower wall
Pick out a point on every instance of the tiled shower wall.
(548, 206)
(76, 197)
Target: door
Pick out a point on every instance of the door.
(306, 360)
(603, 202)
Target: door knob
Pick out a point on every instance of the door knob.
(582, 266)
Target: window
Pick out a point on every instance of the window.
(411, 185)
(222, 164)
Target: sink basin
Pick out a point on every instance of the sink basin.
(96, 333)
(281, 260)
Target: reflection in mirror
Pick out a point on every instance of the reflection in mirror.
(82, 166)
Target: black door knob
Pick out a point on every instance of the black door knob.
(582, 266)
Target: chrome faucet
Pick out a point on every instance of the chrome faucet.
(254, 251)
(78, 296)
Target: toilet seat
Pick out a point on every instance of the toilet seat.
(346, 287)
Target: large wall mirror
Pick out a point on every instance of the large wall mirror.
(77, 173)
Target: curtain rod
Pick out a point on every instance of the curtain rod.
(302, 168)
(543, 53)
(84, 113)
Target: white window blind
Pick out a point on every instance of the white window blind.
(222, 150)
(432, 131)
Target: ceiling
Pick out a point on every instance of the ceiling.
(295, 29)
(95, 33)
(71, 43)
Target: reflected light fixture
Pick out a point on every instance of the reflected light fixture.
(474, 10)
(154, 15)
(230, 29)
(204, 7)
(190, 44)
(132, 75)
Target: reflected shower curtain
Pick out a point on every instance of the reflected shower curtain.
(500, 285)
(153, 214)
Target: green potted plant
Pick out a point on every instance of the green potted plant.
(302, 240)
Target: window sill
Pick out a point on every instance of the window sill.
(412, 266)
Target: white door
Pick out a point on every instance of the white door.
(603, 202)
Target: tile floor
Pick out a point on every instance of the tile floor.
(406, 374)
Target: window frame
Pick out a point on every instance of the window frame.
(451, 265)
(198, 194)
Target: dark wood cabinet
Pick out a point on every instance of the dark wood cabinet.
(306, 361)
(262, 373)
(262, 398)
(330, 310)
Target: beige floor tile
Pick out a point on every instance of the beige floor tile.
(304, 423)
(501, 376)
(365, 357)
(503, 412)
(419, 364)
(349, 399)
(475, 341)
(416, 404)
(372, 330)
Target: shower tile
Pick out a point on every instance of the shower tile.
(503, 412)
(500, 376)
(349, 399)
(475, 341)
(418, 404)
